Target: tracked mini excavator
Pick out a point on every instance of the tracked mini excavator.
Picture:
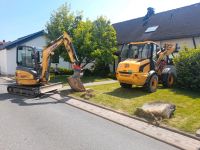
(145, 64)
(33, 69)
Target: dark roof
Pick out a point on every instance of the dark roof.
(22, 40)
(173, 24)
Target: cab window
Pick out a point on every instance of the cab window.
(25, 56)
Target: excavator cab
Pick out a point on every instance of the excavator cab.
(28, 65)
(29, 57)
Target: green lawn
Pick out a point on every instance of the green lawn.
(186, 116)
(63, 79)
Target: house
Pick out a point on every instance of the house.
(180, 26)
(8, 51)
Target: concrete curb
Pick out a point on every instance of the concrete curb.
(139, 119)
(134, 123)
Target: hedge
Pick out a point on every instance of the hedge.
(62, 71)
(187, 64)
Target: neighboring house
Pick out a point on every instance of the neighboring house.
(8, 51)
(180, 26)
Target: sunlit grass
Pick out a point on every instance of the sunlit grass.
(186, 116)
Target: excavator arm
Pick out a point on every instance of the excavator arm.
(74, 81)
(49, 50)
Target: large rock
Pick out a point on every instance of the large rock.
(198, 133)
(156, 109)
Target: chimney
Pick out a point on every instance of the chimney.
(1, 43)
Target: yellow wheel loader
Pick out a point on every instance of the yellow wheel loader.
(33, 69)
(145, 64)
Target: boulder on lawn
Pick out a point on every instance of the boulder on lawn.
(198, 133)
(156, 110)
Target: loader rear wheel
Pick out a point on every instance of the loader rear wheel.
(124, 85)
(152, 84)
(168, 80)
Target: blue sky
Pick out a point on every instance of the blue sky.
(22, 17)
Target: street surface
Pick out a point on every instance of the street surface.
(47, 124)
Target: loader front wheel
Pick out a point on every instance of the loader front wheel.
(124, 85)
(168, 80)
(152, 84)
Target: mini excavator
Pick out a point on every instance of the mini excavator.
(33, 69)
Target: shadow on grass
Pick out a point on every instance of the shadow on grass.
(186, 92)
(84, 79)
(128, 93)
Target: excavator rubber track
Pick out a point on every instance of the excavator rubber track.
(32, 91)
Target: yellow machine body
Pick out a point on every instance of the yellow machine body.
(25, 78)
(128, 71)
(143, 64)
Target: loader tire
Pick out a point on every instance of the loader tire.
(124, 85)
(152, 84)
(168, 79)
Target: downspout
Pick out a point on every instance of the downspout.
(194, 43)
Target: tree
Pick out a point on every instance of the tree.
(93, 41)
(62, 20)
(104, 41)
(82, 39)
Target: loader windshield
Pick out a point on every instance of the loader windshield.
(136, 51)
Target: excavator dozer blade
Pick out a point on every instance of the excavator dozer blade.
(76, 84)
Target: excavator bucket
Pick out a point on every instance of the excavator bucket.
(75, 81)
(76, 84)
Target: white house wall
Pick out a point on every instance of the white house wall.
(197, 41)
(62, 64)
(39, 42)
(3, 62)
(11, 53)
(11, 61)
(184, 42)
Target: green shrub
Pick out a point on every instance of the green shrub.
(101, 69)
(88, 72)
(112, 76)
(187, 64)
(62, 71)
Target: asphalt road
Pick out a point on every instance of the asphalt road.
(46, 124)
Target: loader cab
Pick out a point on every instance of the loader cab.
(140, 51)
(28, 57)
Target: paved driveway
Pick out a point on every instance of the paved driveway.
(46, 124)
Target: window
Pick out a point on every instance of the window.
(136, 51)
(25, 56)
(151, 29)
